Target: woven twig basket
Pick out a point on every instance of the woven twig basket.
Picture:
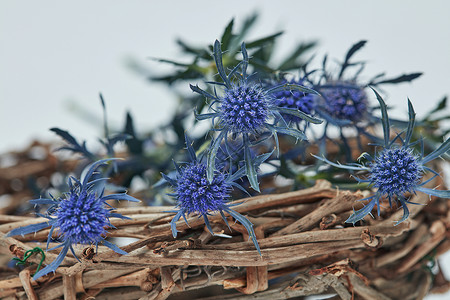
(307, 249)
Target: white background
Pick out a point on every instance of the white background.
(57, 55)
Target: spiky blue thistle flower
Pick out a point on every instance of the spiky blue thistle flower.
(396, 170)
(195, 194)
(79, 216)
(298, 100)
(244, 108)
(343, 101)
(247, 109)
(346, 102)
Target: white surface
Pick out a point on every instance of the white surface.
(54, 52)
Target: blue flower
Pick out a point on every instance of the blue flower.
(346, 102)
(246, 109)
(396, 170)
(80, 216)
(295, 99)
(343, 100)
(195, 194)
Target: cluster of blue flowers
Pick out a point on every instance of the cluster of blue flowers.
(341, 101)
(246, 110)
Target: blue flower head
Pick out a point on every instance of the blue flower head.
(244, 108)
(295, 99)
(195, 194)
(396, 170)
(346, 102)
(343, 100)
(79, 216)
(247, 109)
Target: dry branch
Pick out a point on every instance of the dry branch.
(302, 234)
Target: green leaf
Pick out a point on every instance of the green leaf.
(168, 61)
(262, 56)
(290, 62)
(250, 166)
(134, 144)
(354, 49)
(189, 73)
(299, 114)
(211, 157)
(217, 52)
(244, 60)
(350, 53)
(399, 79)
(441, 105)
(284, 169)
(412, 118)
(227, 34)
(261, 65)
(290, 87)
(443, 148)
(384, 118)
(198, 52)
(291, 131)
(198, 90)
(263, 41)
(237, 39)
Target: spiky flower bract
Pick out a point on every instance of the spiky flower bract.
(195, 194)
(246, 109)
(108, 142)
(79, 216)
(395, 171)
